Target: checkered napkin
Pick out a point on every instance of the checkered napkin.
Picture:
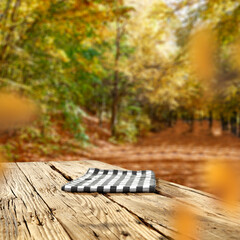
(99, 180)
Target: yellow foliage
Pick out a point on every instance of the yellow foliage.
(62, 55)
(235, 54)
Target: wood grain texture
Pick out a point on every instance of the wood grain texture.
(85, 216)
(33, 206)
(204, 201)
(157, 209)
(24, 214)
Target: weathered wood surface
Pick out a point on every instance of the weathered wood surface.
(32, 206)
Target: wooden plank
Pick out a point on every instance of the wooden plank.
(207, 202)
(8, 220)
(157, 210)
(23, 213)
(191, 196)
(184, 194)
(101, 217)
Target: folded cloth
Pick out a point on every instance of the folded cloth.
(105, 181)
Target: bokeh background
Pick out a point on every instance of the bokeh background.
(139, 84)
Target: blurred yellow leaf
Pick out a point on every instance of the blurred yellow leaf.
(15, 110)
(202, 47)
(185, 222)
(223, 179)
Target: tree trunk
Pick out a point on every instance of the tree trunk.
(115, 92)
(192, 118)
(237, 124)
(234, 123)
(101, 109)
(170, 119)
(210, 119)
(224, 122)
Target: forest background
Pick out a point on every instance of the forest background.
(130, 67)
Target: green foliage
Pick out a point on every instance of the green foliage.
(8, 151)
(73, 117)
(126, 131)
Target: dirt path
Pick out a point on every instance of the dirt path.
(176, 157)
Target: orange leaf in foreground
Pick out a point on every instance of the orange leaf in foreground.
(185, 223)
(223, 179)
(202, 48)
(15, 110)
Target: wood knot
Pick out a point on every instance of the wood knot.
(124, 233)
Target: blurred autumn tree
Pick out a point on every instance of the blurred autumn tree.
(213, 27)
(134, 63)
(186, 63)
(56, 52)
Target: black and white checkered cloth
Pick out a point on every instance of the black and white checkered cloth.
(105, 181)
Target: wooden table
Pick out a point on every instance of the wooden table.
(33, 206)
